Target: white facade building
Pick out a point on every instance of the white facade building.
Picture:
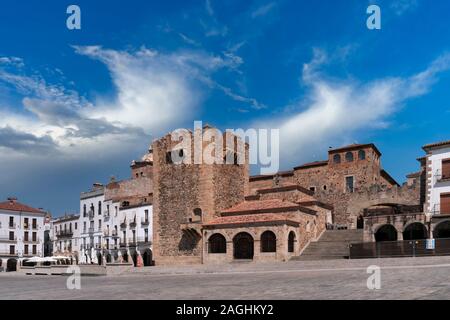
(21, 233)
(65, 236)
(438, 178)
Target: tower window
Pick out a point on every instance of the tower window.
(361, 155)
(337, 158)
(349, 156)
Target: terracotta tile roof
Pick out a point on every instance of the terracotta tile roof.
(312, 164)
(13, 205)
(356, 146)
(286, 187)
(287, 173)
(262, 206)
(436, 144)
(252, 218)
(388, 177)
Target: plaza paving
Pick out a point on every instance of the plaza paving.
(407, 278)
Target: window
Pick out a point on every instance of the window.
(324, 188)
(25, 249)
(34, 236)
(349, 184)
(76, 225)
(12, 250)
(25, 223)
(99, 224)
(134, 236)
(313, 189)
(34, 249)
(25, 236)
(445, 203)
(84, 210)
(146, 215)
(146, 235)
(198, 212)
(70, 227)
(99, 208)
(34, 223)
(217, 244)
(268, 242)
(169, 157)
(337, 158)
(349, 156)
(446, 169)
(84, 226)
(11, 235)
(11, 222)
(361, 155)
(115, 213)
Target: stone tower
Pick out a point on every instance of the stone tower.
(191, 193)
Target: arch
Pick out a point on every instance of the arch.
(243, 246)
(99, 259)
(11, 265)
(125, 256)
(268, 241)
(386, 232)
(361, 155)
(291, 241)
(147, 258)
(217, 243)
(337, 158)
(108, 258)
(415, 231)
(349, 156)
(360, 222)
(442, 230)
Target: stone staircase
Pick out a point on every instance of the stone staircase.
(333, 244)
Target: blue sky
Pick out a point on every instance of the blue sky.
(76, 106)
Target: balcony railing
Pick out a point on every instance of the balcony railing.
(106, 217)
(64, 234)
(133, 223)
(123, 224)
(144, 240)
(145, 222)
(123, 244)
(34, 226)
(7, 239)
(91, 230)
(37, 240)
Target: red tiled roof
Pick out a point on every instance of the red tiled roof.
(436, 144)
(356, 146)
(312, 164)
(388, 177)
(286, 187)
(17, 206)
(262, 205)
(252, 218)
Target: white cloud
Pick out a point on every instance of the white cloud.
(263, 10)
(335, 110)
(402, 6)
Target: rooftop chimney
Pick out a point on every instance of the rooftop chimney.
(12, 199)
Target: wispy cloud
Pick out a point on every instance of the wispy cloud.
(263, 10)
(334, 111)
(402, 6)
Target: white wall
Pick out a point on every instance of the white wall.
(434, 186)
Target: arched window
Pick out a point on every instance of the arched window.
(217, 244)
(268, 242)
(291, 241)
(198, 212)
(361, 155)
(337, 158)
(349, 156)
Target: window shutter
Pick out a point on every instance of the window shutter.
(445, 203)
(446, 169)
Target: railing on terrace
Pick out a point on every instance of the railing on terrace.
(392, 249)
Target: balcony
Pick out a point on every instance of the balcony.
(144, 240)
(106, 217)
(7, 239)
(26, 226)
(37, 240)
(64, 234)
(114, 234)
(123, 244)
(91, 230)
(145, 222)
(133, 223)
(106, 233)
(91, 215)
(123, 224)
(441, 177)
(34, 227)
(12, 225)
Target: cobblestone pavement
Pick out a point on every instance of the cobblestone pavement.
(408, 278)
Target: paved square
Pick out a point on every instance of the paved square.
(408, 278)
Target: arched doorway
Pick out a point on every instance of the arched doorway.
(386, 232)
(268, 242)
(108, 258)
(125, 257)
(147, 257)
(291, 241)
(243, 246)
(415, 231)
(217, 244)
(99, 258)
(11, 265)
(442, 230)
